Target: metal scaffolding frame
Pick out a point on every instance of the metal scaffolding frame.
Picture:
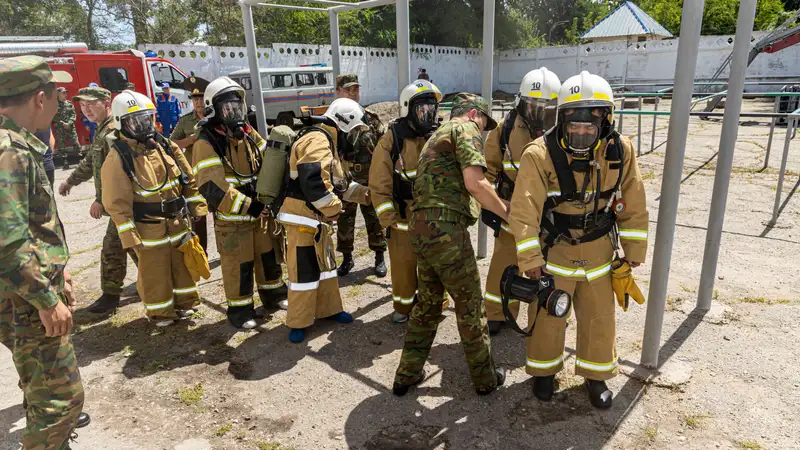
(403, 45)
(691, 22)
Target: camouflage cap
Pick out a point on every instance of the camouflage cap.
(472, 101)
(61, 89)
(92, 93)
(347, 80)
(24, 74)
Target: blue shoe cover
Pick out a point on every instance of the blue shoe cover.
(297, 335)
(342, 317)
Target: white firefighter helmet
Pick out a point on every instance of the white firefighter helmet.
(585, 112)
(419, 103)
(218, 87)
(347, 114)
(417, 89)
(133, 114)
(586, 90)
(537, 99)
(540, 83)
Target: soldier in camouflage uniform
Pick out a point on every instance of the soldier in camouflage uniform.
(185, 135)
(357, 156)
(64, 127)
(449, 175)
(35, 322)
(95, 104)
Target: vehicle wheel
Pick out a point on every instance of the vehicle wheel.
(285, 118)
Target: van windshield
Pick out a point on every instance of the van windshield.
(164, 73)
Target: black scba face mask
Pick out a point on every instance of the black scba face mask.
(424, 113)
(231, 113)
(583, 128)
(140, 126)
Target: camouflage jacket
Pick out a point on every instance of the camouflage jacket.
(440, 188)
(357, 156)
(91, 164)
(183, 129)
(64, 116)
(33, 251)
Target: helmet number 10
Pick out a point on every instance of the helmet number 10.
(537, 86)
(574, 89)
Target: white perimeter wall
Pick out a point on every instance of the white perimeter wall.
(455, 69)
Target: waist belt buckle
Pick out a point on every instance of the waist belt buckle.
(357, 167)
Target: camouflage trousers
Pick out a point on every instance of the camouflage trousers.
(66, 141)
(346, 232)
(48, 373)
(446, 261)
(113, 263)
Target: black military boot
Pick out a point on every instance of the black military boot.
(500, 376)
(544, 387)
(271, 299)
(380, 265)
(105, 304)
(402, 389)
(599, 394)
(495, 326)
(346, 266)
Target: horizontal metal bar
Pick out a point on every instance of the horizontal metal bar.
(327, 2)
(301, 8)
(706, 94)
(362, 5)
(636, 112)
(707, 83)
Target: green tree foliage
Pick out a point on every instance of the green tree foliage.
(719, 16)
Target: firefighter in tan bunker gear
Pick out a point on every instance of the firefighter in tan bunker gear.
(314, 198)
(580, 185)
(227, 159)
(151, 196)
(391, 184)
(533, 115)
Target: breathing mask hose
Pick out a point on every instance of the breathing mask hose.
(153, 145)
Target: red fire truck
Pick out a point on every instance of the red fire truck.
(111, 70)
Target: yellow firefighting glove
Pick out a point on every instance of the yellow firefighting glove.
(195, 258)
(624, 285)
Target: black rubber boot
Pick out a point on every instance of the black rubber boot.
(402, 389)
(500, 376)
(271, 297)
(599, 394)
(105, 304)
(495, 326)
(544, 387)
(242, 317)
(380, 265)
(346, 266)
(83, 420)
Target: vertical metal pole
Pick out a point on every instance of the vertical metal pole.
(621, 116)
(727, 144)
(403, 46)
(639, 136)
(791, 122)
(692, 19)
(486, 90)
(771, 132)
(335, 51)
(255, 72)
(655, 117)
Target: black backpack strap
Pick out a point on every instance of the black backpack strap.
(400, 131)
(126, 157)
(505, 133)
(566, 179)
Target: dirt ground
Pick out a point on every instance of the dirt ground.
(202, 385)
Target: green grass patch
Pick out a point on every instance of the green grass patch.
(685, 288)
(364, 251)
(354, 291)
(122, 318)
(223, 430)
(650, 433)
(694, 421)
(272, 446)
(198, 315)
(758, 300)
(750, 445)
(156, 365)
(191, 396)
(649, 175)
(127, 352)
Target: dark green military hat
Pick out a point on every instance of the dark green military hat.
(472, 101)
(196, 86)
(24, 74)
(92, 93)
(347, 80)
